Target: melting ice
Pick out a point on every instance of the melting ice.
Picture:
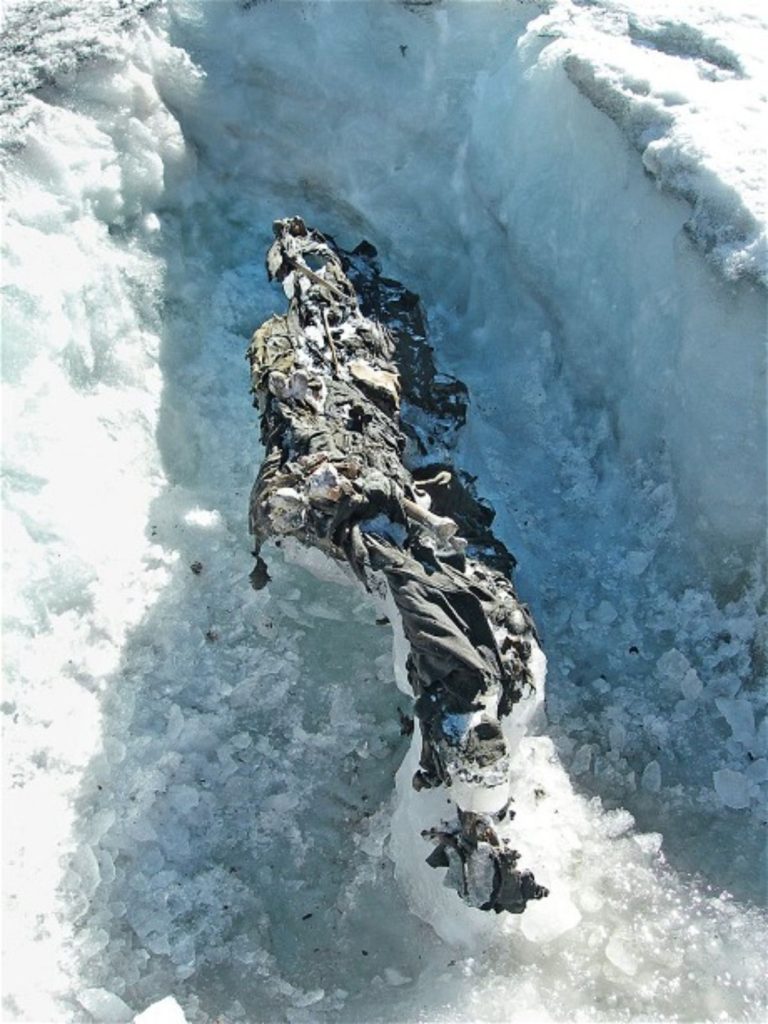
(201, 801)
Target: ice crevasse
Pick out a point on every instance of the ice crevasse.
(575, 191)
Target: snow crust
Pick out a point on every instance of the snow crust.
(187, 760)
(685, 84)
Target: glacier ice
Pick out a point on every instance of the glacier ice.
(613, 346)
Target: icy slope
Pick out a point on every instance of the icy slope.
(167, 830)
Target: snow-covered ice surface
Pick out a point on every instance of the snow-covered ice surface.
(193, 768)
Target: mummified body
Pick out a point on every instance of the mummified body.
(357, 425)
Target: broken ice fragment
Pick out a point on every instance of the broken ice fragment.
(604, 614)
(651, 777)
(547, 921)
(691, 685)
(395, 978)
(740, 715)
(617, 736)
(582, 760)
(732, 788)
(672, 666)
(104, 1005)
(621, 954)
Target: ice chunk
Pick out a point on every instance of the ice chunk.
(620, 953)
(636, 562)
(87, 869)
(546, 920)
(590, 901)
(605, 613)
(100, 823)
(395, 978)
(651, 778)
(92, 943)
(617, 736)
(686, 709)
(582, 760)
(691, 685)
(740, 716)
(732, 787)
(672, 664)
(114, 750)
(724, 686)
(183, 950)
(302, 999)
(649, 842)
(175, 723)
(103, 1005)
(758, 770)
(164, 1011)
(183, 798)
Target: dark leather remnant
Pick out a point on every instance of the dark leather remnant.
(358, 426)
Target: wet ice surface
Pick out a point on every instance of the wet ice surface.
(193, 767)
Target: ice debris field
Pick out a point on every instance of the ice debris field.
(199, 805)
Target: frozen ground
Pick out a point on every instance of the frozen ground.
(193, 768)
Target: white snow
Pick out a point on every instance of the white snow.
(683, 83)
(193, 768)
(164, 1011)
